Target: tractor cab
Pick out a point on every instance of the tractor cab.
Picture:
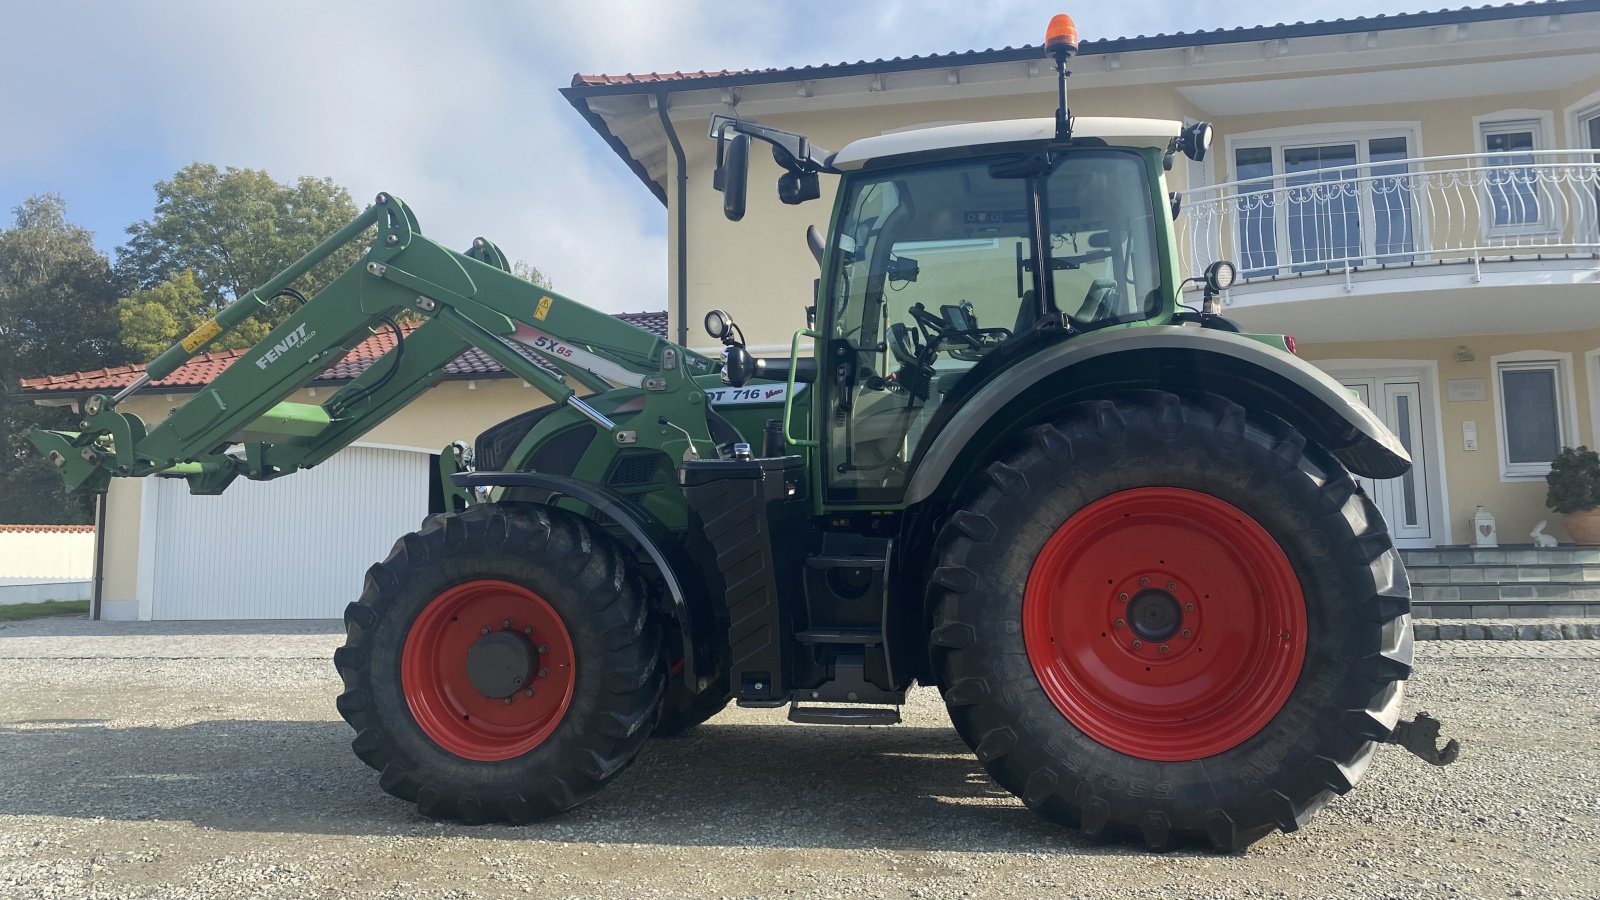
(958, 249)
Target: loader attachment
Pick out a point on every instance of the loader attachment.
(244, 424)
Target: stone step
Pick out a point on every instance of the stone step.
(1502, 630)
(1506, 554)
(1485, 573)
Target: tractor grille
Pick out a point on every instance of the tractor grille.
(633, 469)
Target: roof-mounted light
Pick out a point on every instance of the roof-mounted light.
(1061, 37)
(1061, 42)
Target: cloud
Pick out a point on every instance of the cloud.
(451, 107)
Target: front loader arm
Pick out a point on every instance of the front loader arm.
(465, 300)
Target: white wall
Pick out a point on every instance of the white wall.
(42, 564)
(38, 555)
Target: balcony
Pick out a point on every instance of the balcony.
(1422, 226)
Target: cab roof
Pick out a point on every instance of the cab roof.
(1115, 130)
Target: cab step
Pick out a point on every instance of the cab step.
(843, 715)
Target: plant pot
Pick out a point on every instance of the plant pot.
(1584, 525)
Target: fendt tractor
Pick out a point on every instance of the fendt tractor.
(1124, 540)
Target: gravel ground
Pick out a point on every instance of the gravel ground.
(206, 760)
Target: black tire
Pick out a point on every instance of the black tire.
(616, 649)
(682, 711)
(1358, 634)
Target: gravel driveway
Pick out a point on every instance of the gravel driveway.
(206, 760)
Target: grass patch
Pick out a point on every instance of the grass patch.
(15, 611)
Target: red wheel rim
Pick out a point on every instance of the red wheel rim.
(1098, 623)
(451, 711)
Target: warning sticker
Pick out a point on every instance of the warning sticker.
(543, 309)
(201, 336)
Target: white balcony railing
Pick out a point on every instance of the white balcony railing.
(1470, 207)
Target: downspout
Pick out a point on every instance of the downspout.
(97, 586)
(680, 201)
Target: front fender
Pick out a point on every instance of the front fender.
(1248, 372)
(656, 543)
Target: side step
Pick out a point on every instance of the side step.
(843, 715)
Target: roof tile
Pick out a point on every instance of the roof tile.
(1101, 45)
(202, 369)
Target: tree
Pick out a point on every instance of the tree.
(57, 314)
(231, 230)
(152, 319)
(532, 274)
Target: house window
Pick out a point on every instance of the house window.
(1512, 186)
(1312, 206)
(1534, 421)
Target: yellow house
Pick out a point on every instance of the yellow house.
(1414, 197)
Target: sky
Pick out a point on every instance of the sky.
(453, 106)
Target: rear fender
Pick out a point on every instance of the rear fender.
(1172, 358)
(656, 545)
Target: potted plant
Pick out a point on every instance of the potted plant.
(1574, 481)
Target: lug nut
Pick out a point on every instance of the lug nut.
(1123, 597)
(1138, 644)
(530, 692)
(1121, 623)
(506, 624)
(528, 630)
(508, 701)
(1187, 633)
(544, 673)
(485, 629)
(1164, 648)
(1188, 607)
(1172, 585)
(543, 649)
(1144, 582)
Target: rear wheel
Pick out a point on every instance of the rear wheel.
(501, 665)
(1159, 617)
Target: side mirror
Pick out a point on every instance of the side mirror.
(733, 176)
(814, 243)
(738, 366)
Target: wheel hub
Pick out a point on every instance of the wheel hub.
(1164, 623)
(1154, 615)
(488, 669)
(501, 663)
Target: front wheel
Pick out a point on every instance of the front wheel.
(501, 665)
(1161, 617)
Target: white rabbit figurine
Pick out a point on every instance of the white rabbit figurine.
(1540, 539)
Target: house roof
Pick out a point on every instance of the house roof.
(202, 369)
(585, 88)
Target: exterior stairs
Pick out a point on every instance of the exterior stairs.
(1508, 582)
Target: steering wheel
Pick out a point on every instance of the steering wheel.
(940, 330)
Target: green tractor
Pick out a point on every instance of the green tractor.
(1124, 541)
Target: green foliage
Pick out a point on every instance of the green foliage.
(57, 302)
(227, 231)
(13, 612)
(152, 319)
(531, 274)
(1574, 480)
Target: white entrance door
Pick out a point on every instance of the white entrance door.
(1406, 502)
(294, 548)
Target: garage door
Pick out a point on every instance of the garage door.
(295, 548)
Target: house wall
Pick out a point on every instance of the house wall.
(447, 412)
(1474, 477)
